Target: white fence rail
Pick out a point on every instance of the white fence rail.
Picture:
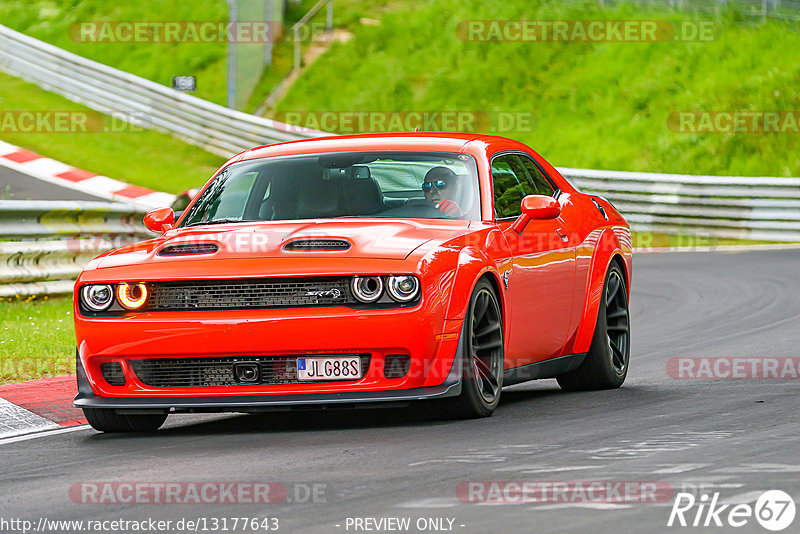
(53, 240)
(736, 207)
(145, 103)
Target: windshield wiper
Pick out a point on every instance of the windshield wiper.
(218, 221)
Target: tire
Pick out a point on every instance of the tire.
(483, 357)
(106, 420)
(606, 364)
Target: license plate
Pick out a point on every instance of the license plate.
(336, 368)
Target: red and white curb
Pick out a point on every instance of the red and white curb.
(64, 175)
(38, 406)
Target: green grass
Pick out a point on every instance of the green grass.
(54, 21)
(50, 21)
(346, 15)
(37, 339)
(282, 56)
(142, 157)
(597, 105)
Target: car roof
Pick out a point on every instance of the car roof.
(427, 141)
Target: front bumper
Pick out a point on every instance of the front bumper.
(432, 344)
(259, 403)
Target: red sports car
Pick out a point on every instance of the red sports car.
(366, 270)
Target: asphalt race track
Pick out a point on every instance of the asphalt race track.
(18, 186)
(741, 436)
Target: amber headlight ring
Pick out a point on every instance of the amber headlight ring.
(132, 296)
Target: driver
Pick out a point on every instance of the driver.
(441, 188)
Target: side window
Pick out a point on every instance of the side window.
(511, 184)
(543, 186)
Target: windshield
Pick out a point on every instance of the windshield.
(424, 185)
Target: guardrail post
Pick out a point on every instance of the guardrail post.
(231, 82)
(297, 57)
(270, 32)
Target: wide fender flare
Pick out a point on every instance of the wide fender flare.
(606, 249)
(472, 265)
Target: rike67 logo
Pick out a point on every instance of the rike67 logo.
(774, 510)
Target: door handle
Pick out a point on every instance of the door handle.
(564, 237)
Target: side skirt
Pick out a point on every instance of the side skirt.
(544, 369)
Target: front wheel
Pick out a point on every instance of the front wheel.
(482, 361)
(606, 364)
(106, 420)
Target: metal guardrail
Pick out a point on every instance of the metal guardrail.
(53, 241)
(33, 219)
(758, 208)
(145, 103)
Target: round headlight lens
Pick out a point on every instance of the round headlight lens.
(132, 296)
(367, 288)
(97, 297)
(403, 288)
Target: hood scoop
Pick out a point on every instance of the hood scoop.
(314, 245)
(186, 249)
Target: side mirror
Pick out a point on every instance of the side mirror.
(159, 220)
(539, 207)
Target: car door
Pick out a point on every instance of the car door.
(541, 280)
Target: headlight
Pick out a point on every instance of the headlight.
(367, 288)
(132, 296)
(97, 297)
(403, 288)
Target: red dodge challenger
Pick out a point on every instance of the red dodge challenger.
(366, 270)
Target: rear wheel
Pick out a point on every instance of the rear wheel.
(106, 420)
(483, 356)
(606, 364)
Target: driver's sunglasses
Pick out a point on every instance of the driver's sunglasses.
(440, 184)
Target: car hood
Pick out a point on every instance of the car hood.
(367, 238)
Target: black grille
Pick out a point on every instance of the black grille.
(245, 294)
(317, 244)
(177, 372)
(396, 365)
(188, 248)
(112, 373)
